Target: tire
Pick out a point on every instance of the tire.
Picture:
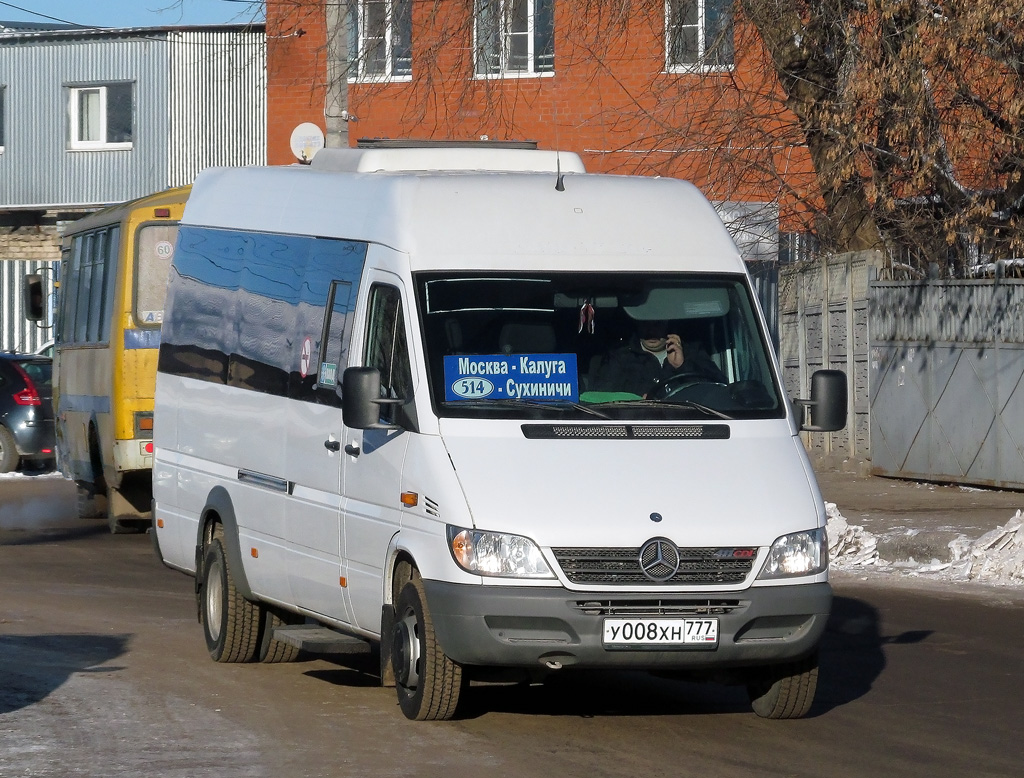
(92, 504)
(9, 457)
(231, 623)
(428, 682)
(271, 651)
(784, 691)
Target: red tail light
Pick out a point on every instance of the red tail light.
(27, 397)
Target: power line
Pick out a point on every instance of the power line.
(44, 16)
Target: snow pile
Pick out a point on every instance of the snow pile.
(995, 557)
(849, 545)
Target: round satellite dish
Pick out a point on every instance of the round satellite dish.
(307, 139)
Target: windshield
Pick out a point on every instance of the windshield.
(579, 345)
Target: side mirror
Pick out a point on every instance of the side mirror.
(361, 401)
(828, 402)
(34, 297)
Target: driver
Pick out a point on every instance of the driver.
(649, 358)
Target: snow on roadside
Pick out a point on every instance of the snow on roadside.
(849, 545)
(997, 557)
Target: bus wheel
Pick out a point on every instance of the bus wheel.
(230, 622)
(92, 503)
(428, 682)
(784, 691)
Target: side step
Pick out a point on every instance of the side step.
(317, 639)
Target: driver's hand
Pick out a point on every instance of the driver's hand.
(674, 347)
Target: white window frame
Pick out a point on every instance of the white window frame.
(505, 50)
(75, 143)
(3, 117)
(700, 66)
(359, 40)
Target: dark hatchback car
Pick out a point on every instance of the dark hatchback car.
(26, 413)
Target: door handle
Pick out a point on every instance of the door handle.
(332, 445)
(352, 449)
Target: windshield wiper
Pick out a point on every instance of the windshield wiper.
(664, 404)
(516, 402)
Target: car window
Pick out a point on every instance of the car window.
(40, 371)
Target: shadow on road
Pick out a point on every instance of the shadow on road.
(852, 656)
(851, 660)
(33, 666)
(35, 537)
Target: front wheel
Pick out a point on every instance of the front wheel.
(784, 691)
(230, 622)
(428, 682)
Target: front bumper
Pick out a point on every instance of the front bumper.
(505, 626)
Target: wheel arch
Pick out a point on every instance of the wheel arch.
(219, 509)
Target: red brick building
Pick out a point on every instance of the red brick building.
(675, 87)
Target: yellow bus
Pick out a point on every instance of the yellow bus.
(114, 266)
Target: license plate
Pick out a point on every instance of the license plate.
(694, 632)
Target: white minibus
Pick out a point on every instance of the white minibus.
(491, 415)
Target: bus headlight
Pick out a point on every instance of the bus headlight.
(802, 553)
(497, 554)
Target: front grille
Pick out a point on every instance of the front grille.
(658, 607)
(621, 566)
(624, 431)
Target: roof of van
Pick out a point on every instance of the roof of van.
(452, 220)
(482, 158)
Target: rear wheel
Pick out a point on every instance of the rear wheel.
(92, 504)
(428, 682)
(784, 691)
(271, 650)
(8, 452)
(230, 622)
(92, 493)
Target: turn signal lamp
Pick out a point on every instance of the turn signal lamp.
(410, 499)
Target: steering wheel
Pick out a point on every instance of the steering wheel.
(677, 383)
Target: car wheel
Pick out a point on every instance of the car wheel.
(230, 622)
(784, 691)
(8, 452)
(428, 682)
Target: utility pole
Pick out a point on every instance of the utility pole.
(336, 115)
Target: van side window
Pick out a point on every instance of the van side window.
(386, 345)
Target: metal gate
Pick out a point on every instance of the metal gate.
(947, 381)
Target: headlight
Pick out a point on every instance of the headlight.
(802, 553)
(497, 554)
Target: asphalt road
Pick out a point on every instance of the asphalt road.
(103, 672)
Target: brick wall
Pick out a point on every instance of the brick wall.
(41, 243)
(610, 99)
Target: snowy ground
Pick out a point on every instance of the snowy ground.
(996, 558)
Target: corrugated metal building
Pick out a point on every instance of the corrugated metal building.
(92, 117)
